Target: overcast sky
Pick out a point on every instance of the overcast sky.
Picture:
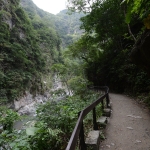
(52, 6)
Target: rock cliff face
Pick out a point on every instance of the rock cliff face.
(27, 104)
(21, 59)
(23, 62)
(6, 16)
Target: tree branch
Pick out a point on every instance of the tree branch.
(129, 29)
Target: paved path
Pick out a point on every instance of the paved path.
(128, 127)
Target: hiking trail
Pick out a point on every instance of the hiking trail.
(128, 127)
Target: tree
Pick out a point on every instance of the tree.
(140, 51)
(107, 31)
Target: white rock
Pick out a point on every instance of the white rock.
(108, 146)
(112, 144)
(138, 141)
(130, 128)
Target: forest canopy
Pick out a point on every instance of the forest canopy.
(115, 57)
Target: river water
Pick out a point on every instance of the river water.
(29, 109)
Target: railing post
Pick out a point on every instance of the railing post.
(95, 126)
(107, 100)
(82, 145)
(102, 104)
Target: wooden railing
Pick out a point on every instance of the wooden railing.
(78, 131)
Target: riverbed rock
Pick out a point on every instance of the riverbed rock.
(27, 104)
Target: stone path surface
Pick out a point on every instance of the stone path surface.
(128, 127)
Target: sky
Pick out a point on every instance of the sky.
(52, 6)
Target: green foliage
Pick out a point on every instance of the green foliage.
(78, 84)
(21, 58)
(147, 100)
(7, 118)
(138, 7)
(14, 141)
(30, 44)
(104, 48)
(51, 117)
(86, 49)
(11, 139)
(49, 131)
(71, 73)
(46, 138)
(68, 26)
(28, 49)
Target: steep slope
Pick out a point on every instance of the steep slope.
(43, 23)
(24, 51)
(30, 43)
(67, 26)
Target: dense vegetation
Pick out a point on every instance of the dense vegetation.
(48, 131)
(29, 46)
(113, 49)
(70, 26)
(31, 50)
(21, 60)
(67, 26)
